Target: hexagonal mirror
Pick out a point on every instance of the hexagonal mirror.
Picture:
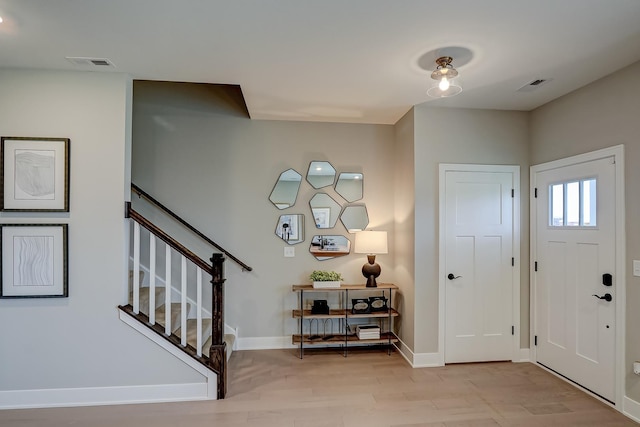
(325, 210)
(321, 174)
(329, 246)
(355, 218)
(285, 191)
(290, 228)
(349, 186)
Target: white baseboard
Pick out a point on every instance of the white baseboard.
(631, 408)
(418, 360)
(525, 355)
(92, 396)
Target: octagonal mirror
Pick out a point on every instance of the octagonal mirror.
(325, 247)
(321, 174)
(355, 218)
(285, 191)
(325, 210)
(290, 228)
(349, 186)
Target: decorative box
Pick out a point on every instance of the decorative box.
(360, 306)
(378, 304)
(320, 306)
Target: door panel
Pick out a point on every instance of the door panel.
(576, 330)
(478, 251)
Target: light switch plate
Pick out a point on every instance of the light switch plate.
(289, 251)
(636, 267)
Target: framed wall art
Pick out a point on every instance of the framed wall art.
(34, 261)
(35, 174)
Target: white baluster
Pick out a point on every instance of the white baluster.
(152, 279)
(136, 268)
(199, 311)
(167, 291)
(183, 303)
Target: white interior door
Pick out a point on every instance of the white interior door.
(478, 266)
(575, 232)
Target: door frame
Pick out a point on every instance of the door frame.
(617, 152)
(515, 171)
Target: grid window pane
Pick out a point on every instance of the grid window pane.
(573, 204)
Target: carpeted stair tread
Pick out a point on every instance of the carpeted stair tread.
(228, 338)
(192, 330)
(144, 298)
(176, 311)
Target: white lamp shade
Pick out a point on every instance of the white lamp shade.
(371, 242)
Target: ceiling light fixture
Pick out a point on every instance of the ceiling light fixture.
(444, 75)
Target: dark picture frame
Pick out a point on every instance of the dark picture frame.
(34, 261)
(34, 174)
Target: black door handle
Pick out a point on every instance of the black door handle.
(606, 297)
(450, 276)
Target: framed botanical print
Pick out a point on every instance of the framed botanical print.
(35, 174)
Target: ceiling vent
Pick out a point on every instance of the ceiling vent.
(92, 62)
(533, 85)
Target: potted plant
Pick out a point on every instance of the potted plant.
(325, 279)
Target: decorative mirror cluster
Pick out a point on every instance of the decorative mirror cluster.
(324, 208)
(290, 228)
(349, 186)
(285, 192)
(325, 247)
(355, 218)
(321, 174)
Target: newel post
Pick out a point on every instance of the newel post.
(218, 351)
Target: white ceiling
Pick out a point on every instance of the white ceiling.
(360, 61)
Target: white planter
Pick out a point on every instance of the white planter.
(327, 284)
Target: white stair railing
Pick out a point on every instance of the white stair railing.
(186, 263)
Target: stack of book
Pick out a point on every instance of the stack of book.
(368, 332)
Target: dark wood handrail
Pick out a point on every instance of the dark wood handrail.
(140, 192)
(169, 240)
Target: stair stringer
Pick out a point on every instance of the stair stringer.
(209, 392)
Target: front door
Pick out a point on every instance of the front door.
(479, 263)
(574, 279)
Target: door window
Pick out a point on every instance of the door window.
(573, 203)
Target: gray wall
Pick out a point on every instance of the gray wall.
(216, 168)
(445, 135)
(79, 341)
(603, 114)
(404, 216)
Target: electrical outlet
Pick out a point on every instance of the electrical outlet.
(289, 251)
(636, 267)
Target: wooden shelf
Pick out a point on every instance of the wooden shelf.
(342, 313)
(343, 340)
(310, 288)
(385, 338)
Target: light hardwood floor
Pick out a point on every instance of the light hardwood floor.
(275, 388)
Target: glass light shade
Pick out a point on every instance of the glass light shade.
(371, 242)
(436, 92)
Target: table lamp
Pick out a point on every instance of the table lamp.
(371, 243)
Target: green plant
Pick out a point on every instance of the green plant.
(325, 276)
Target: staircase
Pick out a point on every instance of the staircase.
(168, 306)
(175, 327)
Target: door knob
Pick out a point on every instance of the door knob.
(450, 276)
(606, 297)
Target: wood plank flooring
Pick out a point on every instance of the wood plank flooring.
(367, 388)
